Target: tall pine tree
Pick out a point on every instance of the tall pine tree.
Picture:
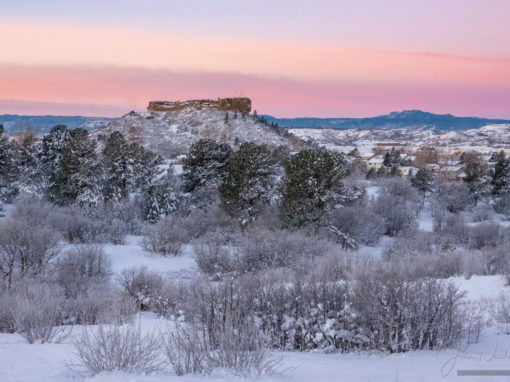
(250, 182)
(313, 187)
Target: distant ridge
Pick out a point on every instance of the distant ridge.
(410, 119)
(41, 124)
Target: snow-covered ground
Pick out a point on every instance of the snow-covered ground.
(22, 362)
(131, 255)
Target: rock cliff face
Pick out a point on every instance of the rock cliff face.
(240, 105)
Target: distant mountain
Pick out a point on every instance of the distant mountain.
(41, 124)
(408, 119)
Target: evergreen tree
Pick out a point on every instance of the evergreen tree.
(118, 167)
(51, 151)
(313, 187)
(423, 180)
(206, 162)
(354, 153)
(477, 179)
(77, 175)
(30, 175)
(501, 177)
(387, 160)
(159, 201)
(250, 182)
(146, 167)
(7, 168)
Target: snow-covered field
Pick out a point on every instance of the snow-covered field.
(22, 362)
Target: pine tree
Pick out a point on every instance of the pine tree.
(30, 175)
(313, 188)
(118, 167)
(160, 200)
(51, 152)
(477, 179)
(250, 182)
(77, 175)
(423, 180)
(205, 163)
(354, 153)
(501, 177)
(7, 168)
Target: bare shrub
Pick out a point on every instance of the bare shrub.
(82, 267)
(25, 250)
(454, 197)
(482, 212)
(398, 212)
(165, 237)
(75, 226)
(146, 288)
(359, 222)
(502, 205)
(7, 324)
(486, 234)
(242, 350)
(239, 349)
(117, 348)
(186, 350)
(100, 305)
(500, 312)
(474, 321)
(37, 312)
(214, 255)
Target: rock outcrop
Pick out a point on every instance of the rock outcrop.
(240, 105)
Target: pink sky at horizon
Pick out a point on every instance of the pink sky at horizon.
(69, 63)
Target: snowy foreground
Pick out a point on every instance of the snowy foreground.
(20, 361)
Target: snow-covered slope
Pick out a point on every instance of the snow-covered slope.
(486, 138)
(171, 133)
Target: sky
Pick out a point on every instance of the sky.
(322, 58)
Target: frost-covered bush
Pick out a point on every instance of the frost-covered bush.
(90, 225)
(215, 255)
(398, 315)
(482, 212)
(148, 289)
(165, 237)
(75, 226)
(81, 267)
(360, 222)
(240, 350)
(186, 349)
(100, 305)
(25, 250)
(7, 324)
(37, 310)
(398, 214)
(258, 249)
(117, 348)
(487, 234)
(502, 205)
(379, 307)
(500, 312)
(454, 197)
(264, 249)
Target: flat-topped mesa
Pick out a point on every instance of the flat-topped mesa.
(240, 105)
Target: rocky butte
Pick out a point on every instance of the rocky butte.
(240, 105)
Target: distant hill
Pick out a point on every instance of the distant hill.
(171, 133)
(41, 124)
(409, 119)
